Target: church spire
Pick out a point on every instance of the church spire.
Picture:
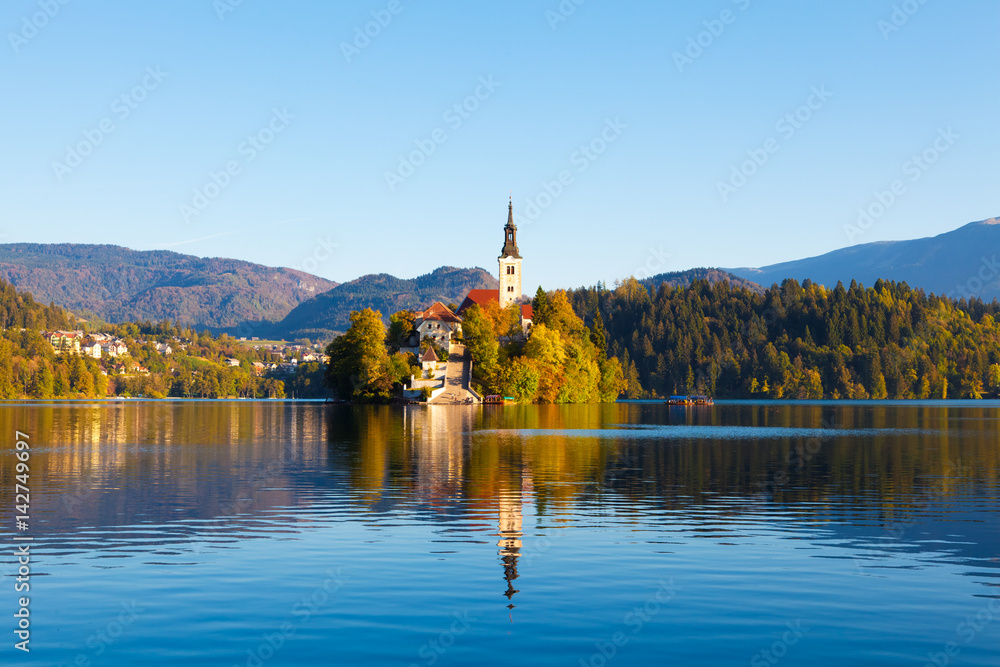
(510, 235)
(509, 262)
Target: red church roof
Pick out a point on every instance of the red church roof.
(482, 297)
(479, 296)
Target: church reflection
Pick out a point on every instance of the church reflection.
(484, 476)
(510, 531)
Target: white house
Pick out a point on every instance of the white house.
(439, 324)
(114, 348)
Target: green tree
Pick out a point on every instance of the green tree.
(633, 386)
(359, 363)
(599, 335)
(993, 378)
(510, 320)
(400, 327)
(43, 383)
(81, 381)
(613, 382)
(548, 352)
(481, 342)
(519, 379)
(540, 307)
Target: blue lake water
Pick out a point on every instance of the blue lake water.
(295, 533)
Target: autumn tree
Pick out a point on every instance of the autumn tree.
(360, 366)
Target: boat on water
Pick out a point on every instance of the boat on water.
(695, 399)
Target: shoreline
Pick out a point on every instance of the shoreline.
(943, 402)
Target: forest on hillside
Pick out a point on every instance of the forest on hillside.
(198, 366)
(797, 340)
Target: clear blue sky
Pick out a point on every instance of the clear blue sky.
(650, 200)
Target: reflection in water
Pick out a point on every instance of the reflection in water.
(511, 524)
(607, 500)
(120, 464)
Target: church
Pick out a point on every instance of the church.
(440, 325)
(510, 277)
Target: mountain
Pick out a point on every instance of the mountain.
(686, 278)
(959, 263)
(327, 313)
(119, 285)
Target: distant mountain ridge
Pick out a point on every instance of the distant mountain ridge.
(119, 284)
(327, 313)
(685, 278)
(960, 263)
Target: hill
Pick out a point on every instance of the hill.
(960, 263)
(119, 285)
(797, 340)
(194, 365)
(689, 277)
(329, 313)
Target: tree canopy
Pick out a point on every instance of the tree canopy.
(360, 366)
(797, 340)
(559, 362)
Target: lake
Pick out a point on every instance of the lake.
(297, 533)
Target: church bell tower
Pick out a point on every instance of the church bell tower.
(510, 262)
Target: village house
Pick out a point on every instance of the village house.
(114, 348)
(91, 348)
(163, 348)
(439, 324)
(64, 341)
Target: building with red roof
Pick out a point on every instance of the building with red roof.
(438, 323)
